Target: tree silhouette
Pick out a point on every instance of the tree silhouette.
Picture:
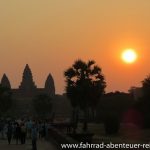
(5, 99)
(85, 85)
(143, 103)
(42, 105)
(146, 87)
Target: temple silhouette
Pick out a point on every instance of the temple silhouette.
(28, 88)
(27, 91)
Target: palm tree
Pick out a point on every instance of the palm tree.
(85, 85)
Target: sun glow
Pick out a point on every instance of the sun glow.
(129, 56)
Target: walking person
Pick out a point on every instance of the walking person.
(23, 133)
(29, 128)
(2, 129)
(9, 132)
(46, 130)
(17, 133)
(40, 130)
(34, 137)
(43, 135)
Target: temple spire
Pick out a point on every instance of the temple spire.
(27, 79)
(5, 82)
(49, 85)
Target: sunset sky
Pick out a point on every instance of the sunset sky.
(50, 35)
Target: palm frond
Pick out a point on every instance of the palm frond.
(79, 64)
(70, 73)
(90, 63)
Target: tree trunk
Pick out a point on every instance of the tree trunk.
(93, 114)
(75, 119)
(85, 124)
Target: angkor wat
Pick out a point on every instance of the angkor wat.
(28, 88)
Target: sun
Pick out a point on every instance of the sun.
(129, 56)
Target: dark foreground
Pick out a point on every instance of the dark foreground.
(41, 145)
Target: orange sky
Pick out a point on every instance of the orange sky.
(50, 34)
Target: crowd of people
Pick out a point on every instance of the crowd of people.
(20, 130)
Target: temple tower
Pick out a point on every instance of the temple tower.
(50, 86)
(27, 83)
(5, 82)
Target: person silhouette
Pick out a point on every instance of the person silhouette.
(34, 137)
(17, 132)
(9, 132)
